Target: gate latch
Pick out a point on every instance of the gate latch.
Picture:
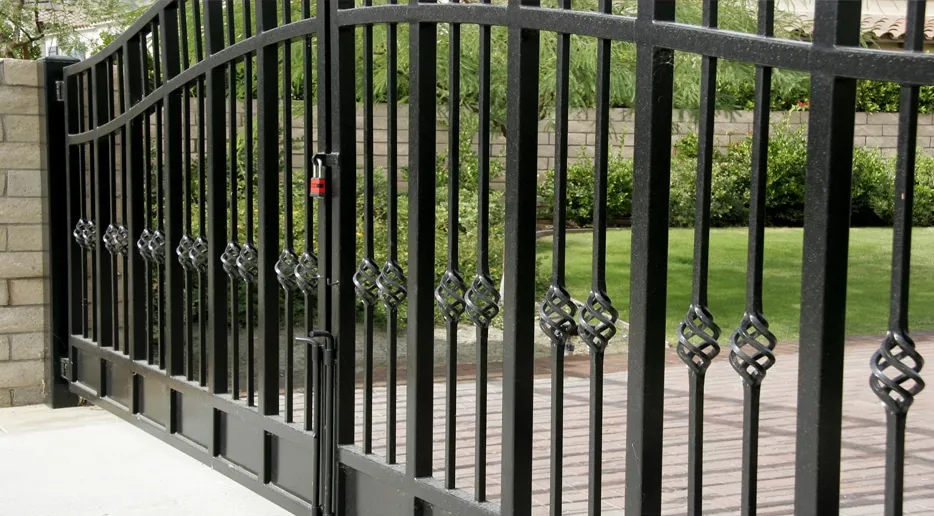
(317, 186)
(66, 368)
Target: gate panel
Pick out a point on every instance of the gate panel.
(241, 443)
(170, 291)
(195, 420)
(197, 251)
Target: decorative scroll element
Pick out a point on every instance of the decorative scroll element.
(285, 269)
(116, 239)
(597, 321)
(895, 372)
(482, 301)
(183, 252)
(753, 329)
(248, 263)
(229, 259)
(306, 272)
(364, 281)
(157, 247)
(556, 315)
(199, 254)
(391, 283)
(450, 295)
(697, 339)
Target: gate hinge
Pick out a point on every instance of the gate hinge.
(60, 91)
(66, 369)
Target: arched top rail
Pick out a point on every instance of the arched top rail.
(859, 63)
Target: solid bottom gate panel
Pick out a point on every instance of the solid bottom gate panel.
(273, 458)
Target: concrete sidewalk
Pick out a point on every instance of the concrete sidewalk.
(86, 462)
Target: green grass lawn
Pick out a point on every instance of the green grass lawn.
(867, 284)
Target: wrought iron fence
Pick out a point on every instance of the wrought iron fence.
(196, 217)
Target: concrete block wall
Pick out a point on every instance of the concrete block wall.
(875, 130)
(23, 277)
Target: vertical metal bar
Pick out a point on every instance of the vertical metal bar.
(114, 328)
(214, 220)
(148, 199)
(315, 424)
(173, 177)
(307, 256)
(184, 253)
(826, 237)
(753, 367)
(160, 199)
(698, 333)
(898, 349)
(450, 293)
(519, 334)
(325, 235)
(73, 204)
(104, 196)
(82, 202)
(267, 77)
(91, 204)
(598, 317)
(197, 256)
(58, 123)
(124, 175)
(648, 285)
(343, 211)
(423, 39)
(133, 93)
(233, 247)
(392, 249)
(370, 306)
(482, 299)
(288, 285)
(556, 315)
(250, 178)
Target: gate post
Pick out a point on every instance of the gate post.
(56, 232)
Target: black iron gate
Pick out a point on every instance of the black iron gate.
(188, 269)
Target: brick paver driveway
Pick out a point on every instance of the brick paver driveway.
(863, 451)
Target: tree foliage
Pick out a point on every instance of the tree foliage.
(25, 23)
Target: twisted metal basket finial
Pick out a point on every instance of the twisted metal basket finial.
(199, 254)
(556, 315)
(285, 269)
(248, 263)
(364, 281)
(896, 368)
(697, 339)
(597, 321)
(753, 329)
(145, 238)
(85, 234)
(482, 300)
(115, 239)
(306, 272)
(391, 283)
(183, 252)
(449, 295)
(157, 247)
(229, 259)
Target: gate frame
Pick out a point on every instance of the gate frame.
(657, 37)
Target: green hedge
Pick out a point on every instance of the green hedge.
(872, 185)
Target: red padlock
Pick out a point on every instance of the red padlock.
(317, 186)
